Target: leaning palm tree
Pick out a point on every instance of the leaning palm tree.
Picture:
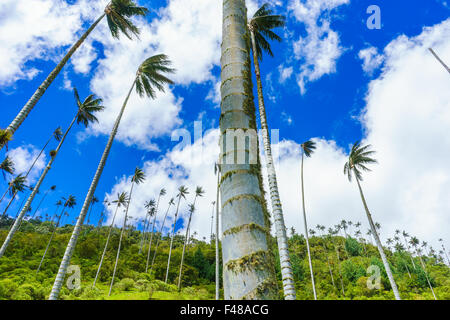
(138, 178)
(439, 59)
(7, 166)
(260, 27)
(182, 192)
(70, 202)
(414, 243)
(360, 157)
(162, 192)
(199, 192)
(93, 202)
(308, 148)
(18, 184)
(150, 75)
(85, 115)
(171, 202)
(122, 199)
(118, 14)
(52, 188)
(245, 218)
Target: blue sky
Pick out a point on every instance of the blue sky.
(330, 92)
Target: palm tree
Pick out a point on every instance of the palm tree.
(212, 222)
(84, 115)
(122, 199)
(162, 192)
(308, 148)
(332, 232)
(138, 178)
(14, 186)
(360, 157)
(52, 188)
(182, 192)
(439, 59)
(217, 172)
(405, 237)
(260, 27)
(150, 74)
(443, 248)
(117, 13)
(148, 205)
(171, 202)
(321, 229)
(70, 202)
(93, 202)
(415, 243)
(245, 218)
(7, 166)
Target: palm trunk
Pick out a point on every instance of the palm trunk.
(159, 240)
(339, 266)
(171, 239)
(217, 238)
(42, 200)
(280, 228)
(306, 235)
(378, 242)
(120, 241)
(153, 231)
(439, 59)
(212, 224)
(50, 240)
(3, 196)
(76, 231)
(409, 253)
(106, 246)
(245, 219)
(16, 225)
(426, 275)
(47, 82)
(328, 261)
(144, 230)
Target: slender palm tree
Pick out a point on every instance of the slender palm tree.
(150, 75)
(321, 229)
(308, 148)
(18, 184)
(93, 202)
(138, 178)
(217, 172)
(359, 158)
(118, 14)
(260, 27)
(70, 202)
(212, 222)
(415, 243)
(7, 166)
(162, 192)
(148, 205)
(52, 188)
(405, 237)
(85, 114)
(331, 233)
(445, 250)
(182, 192)
(439, 59)
(122, 200)
(245, 218)
(171, 202)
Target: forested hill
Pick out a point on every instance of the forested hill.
(340, 267)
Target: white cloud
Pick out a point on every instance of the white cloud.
(23, 157)
(320, 49)
(285, 73)
(372, 60)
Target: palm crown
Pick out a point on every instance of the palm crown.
(122, 199)
(7, 166)
(118, 14)
(149, 204)
(182, 192)
(17, 184)
(57, 134)
(70, 202)
(261, 25)
(139, 176)
(87, 108)
(360, 156)
(150, 75)
(162, 192)
(308, 148)
(199, 192)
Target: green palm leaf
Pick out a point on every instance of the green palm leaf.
(118, 14)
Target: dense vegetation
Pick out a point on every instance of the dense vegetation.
(19, 280)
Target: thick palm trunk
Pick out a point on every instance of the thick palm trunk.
(378, 242)
(439, 59)
(106, 246)
(18, 220)
(120, 240)
(50, 240)
(280, 227)
(307, 236)
(87, 201)
(153, 231)
(159, 240)
(217, 238)
(47, 82)
(171, 239)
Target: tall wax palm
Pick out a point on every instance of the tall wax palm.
(415, 243)
(260, 26)
(70, 202)
(245, 218)
(52, 188)
(171, 202)
(439, 59)
(217, 172)
(445, 250)
(332, 232)
(85, 114)
(405, 237)
(138, 178)
(7, 166)
(122, 199)
(212, 222)
(148, 205)
(308, 148)
(162, 192)
(359, 158)
(93, 202)
(150, 75)
(199, 192)
(182, 192)
(118, 14)
(321, 229)
(18, 184)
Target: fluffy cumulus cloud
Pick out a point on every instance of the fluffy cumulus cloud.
(320, 49)
(371, 59)
(23, 157)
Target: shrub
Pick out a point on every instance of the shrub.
(126, 284)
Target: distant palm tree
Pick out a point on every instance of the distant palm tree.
(188, 230)
(148, 205)
(182, 192)
(122, 199)
(149, 75)
(70, 202)
(260, 26)
(405, 237)
(321, 230)
(7, 166)
(117, 13)
(162, 192)
(84, 115)
(415, 243)
(439, 59)
(138, 178)
(93, 202)
(52, 188)
(360, 157)
(445, 250)
(14, 186)
(308, 148)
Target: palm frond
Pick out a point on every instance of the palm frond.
(118, 14)
(139, 176)
(150, 75)
(308, 147)
(87, 108)
(7, 166)
(5, 137)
